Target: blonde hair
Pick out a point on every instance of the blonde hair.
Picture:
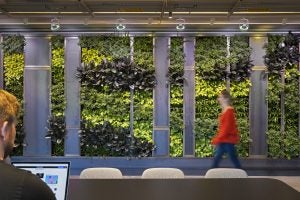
(226, 95)
(9, 107)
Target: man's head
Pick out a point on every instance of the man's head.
(9, 108)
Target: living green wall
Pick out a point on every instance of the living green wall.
(176, 96)
(56, 122)
(211, 62)
(102, 105)
(212, 59)
(282, 144)
(13, 47)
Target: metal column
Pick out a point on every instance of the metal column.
(161, 129)
(37, 96)
(258, 103)
(72, 91)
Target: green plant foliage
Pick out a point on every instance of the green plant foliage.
(113, 107)
(106, 140)
(240, 93)
(175, 73)
(120, 74)
(57, 129)
(207, 110)
(56, 122)
(210, 54)
(13, 81)
(282, 53)
(240, 63)
(57, 42)
(13, 44)
(176, 96)
(143, 100)
(143, 51)
(92, 56)
(108, 106)
(58, 102)
(210, 80)
(107, 45)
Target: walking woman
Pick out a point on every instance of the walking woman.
(228, 134)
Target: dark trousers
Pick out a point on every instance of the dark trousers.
(228, 148)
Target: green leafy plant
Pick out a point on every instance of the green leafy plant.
(106, 140)
(107, 45)
(57, 130)
(175, 73)
(176, 79)
(120, 74)
(13, 44)
(282, 55)
(211, 64)
(240, 63)
(13, 83)
(281, 52)
(56, 123)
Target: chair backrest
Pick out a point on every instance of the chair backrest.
(226, 173)
(162, 173)
(101, 173)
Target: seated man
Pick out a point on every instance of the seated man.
(16, 183)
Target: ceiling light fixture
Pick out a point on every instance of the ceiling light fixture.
(55, 24)
(180, 24)
(170, 15)
(244, 24)
(284, 21)
(212, 21)
(120, 24)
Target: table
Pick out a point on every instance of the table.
(181, 189)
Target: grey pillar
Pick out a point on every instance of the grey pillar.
(1, 66)
(189, 97)
(72, 91)
(36, 96)
(258, 104)
(161, 129)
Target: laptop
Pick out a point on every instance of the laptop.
(54, 174)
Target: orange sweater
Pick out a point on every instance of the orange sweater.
(227, 131)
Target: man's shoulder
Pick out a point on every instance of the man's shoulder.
(31, 185)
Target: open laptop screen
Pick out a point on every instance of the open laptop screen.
(54, 174)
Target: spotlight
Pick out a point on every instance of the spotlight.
(55, 25)
(120, 25)
(180, 24)
(244, 24)
(284, 21)
(170, 15)
(212, 21)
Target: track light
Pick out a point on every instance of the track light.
(284, 21)
(244, 24)
(180, 24)
(55, 25)
(120, 24)
(170, 15)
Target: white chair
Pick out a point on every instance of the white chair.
(162, 173)
(101, 173)
(226, 173)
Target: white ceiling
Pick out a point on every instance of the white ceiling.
(200, 16)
